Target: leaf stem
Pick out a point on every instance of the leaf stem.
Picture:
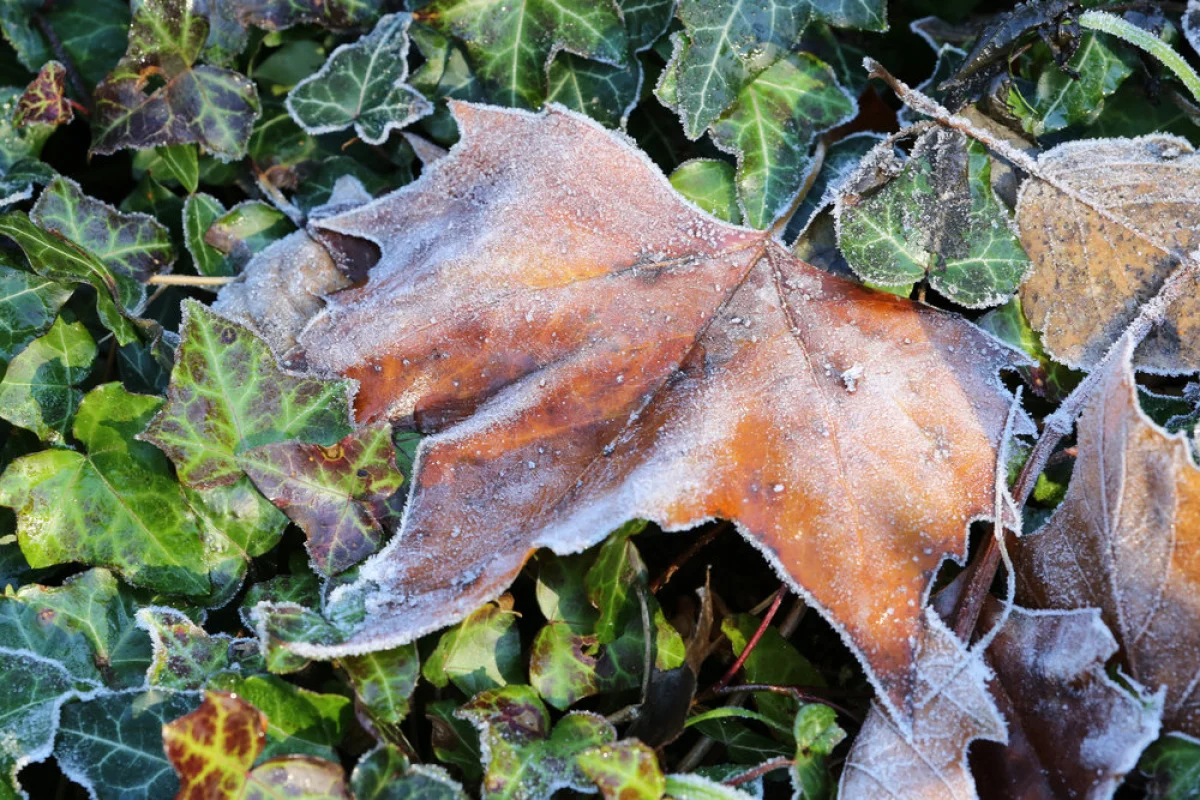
(750, 645)
(762, 769)
(1141, 38)
(190, 280)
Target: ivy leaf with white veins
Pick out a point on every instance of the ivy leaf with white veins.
(343, 496)
(228, 395)
(866, 15)
(116, 506)
(29, 305)
(39, 391)
(937, 219)
(362, 84)
(770, 127)
(112, 745)
(131, 244)
(211, 106)
(510, 48)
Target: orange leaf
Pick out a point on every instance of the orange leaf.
(213, 747)
(590, 348)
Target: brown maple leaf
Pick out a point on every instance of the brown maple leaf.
(589, 348)
(1126, 539)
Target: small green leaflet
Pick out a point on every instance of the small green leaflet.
(1057, 100)
(709, 183)
(299, 722)
(112, 744)
(132, 245)
(39, 391)
(212, 106)
(525, 758)
(480, 653)
(362, 84)
(200, 211)
(938, 218)
(117, 506)
(28, 306)
(816, 732)
(181, 162)
(770, 127)
(244, 230)
(1174, 760)
(385, 774)
(227, 395)
(510, 47)
(384, 681)
(44, 100)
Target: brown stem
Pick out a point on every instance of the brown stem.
(696, 546)
(760, 770)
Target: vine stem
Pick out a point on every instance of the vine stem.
(762, 769)
(190, 280)
(753, 643)
(1058, 424)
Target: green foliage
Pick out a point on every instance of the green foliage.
(1057, 100)
(709, 183)
(39, 391)
(1174, 764)
(385, 774)
(480, 653)
(299, 721)
(28, 306)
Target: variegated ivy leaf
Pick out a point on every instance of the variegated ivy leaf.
(118, 296)
(841, 159)
(343, 496)
(28, 306)
(112, 745)
(605, 93)
(937, 219)
(771, 126)
(362, 84)
(386, 774)
(211, 106)
(482, 652)
(709, 183)
(1057, 99)
(185, 656)
(510, 46)
(44, 100)
(384, 681)
(39, 391)
(115, 506)
(627, 768)
(299, 721)
(228, 394)
(525, 758)
(134, 245)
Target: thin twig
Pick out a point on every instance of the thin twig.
(190, 280)
(760, 770)
(696, 546)
(753, 643)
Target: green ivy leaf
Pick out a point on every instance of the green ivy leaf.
(200, 211)
(39, 391)
(19, 151)
(610, 581)
(939, 218)
(624, 770)
(481, 652)
(697, 787)
(562, 665)
(132, 245)
(116, 506)
(444, 74)
(384, 681)
(301, 589)
(118, 296)
(524, 757)
(509, 47)
(185, 656)
(228, 395)
(244, 230)
(299, 722)
(865, 15)
(455, 741)
(774, 660)
(816, 732)
(113, 746)
(771, 125)
(95, 605)
(362, 84)
(29, 305)
(344, 496)
(605, 93)
(1046, 376)
(1174, 763)
(273, 15)
(710, 184)
(91, 33)
(1057, 100)
(179, 161)
(212, 106)
(44, 101)
(385, 774)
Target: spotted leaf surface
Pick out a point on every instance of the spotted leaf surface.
(384, 681)
(770, 127)
(213, 747)
(185, 656)
(561, 431)
(211, 106)
(624, 769)
(227, 395)
(44, 101)
(510, 46)
(132, 245)
(299, 721)
(115, 504)
(938, 219)
(343, 496)
(362, 84)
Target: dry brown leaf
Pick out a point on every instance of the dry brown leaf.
(1126, 539)
(1073, 732)
(1091, 273)
(953, 709)
(589, 348)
